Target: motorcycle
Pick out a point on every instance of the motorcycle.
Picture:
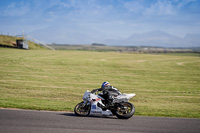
(92, 103)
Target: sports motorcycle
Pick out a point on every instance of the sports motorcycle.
(91, 105)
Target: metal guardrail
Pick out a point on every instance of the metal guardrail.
(38, 42)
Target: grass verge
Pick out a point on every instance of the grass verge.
(165, 85)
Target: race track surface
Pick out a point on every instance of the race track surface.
(24, 121)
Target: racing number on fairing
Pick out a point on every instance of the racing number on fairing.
(94, 107)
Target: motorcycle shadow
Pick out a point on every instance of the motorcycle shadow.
(90, 116)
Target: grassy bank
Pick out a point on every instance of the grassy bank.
(165, 85)
(9, 40)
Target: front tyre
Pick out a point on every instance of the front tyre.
(82, 110)
(125, 110)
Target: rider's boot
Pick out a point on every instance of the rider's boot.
(104, 108)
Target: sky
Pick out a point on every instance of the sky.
(84, 21)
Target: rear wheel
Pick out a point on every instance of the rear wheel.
(125, 110)
(82, 110)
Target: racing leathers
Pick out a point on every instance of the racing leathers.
(108, 93)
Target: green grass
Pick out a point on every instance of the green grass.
(165, 85)
(184, 54)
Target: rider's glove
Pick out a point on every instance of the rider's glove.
(93, 91)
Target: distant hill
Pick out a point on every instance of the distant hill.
(67, 35)
(193, 39)
(157, 38)
(10, 40)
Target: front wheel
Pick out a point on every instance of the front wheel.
(82, 110)
(125, 110)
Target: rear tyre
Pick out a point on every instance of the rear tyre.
(125, 110)
(82, 110)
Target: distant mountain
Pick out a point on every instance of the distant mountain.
(69, 34)
(193, 39)
(157, 38)
(65, 34)
(61, 35)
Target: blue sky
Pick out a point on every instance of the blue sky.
(61, 20)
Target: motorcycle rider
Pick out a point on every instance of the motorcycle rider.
(108, 93)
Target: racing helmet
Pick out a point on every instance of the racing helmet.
(105, 84)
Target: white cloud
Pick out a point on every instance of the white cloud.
(182, 3)
(89, 11)
(134, 6)
(160, 8)
(147, 8)
(16, 9)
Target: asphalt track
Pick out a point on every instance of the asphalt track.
(25, 121)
